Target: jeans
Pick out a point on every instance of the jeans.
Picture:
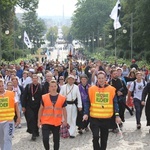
(6, 133)
(122, 102)
(56, 136)
(138, 109)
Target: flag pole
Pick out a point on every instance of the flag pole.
(115, 44)
(131, 35)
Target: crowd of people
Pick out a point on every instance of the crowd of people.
(90, 95)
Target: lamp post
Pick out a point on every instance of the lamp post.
(110, 36)
(124, 31)
(100, 40)
(131, 35)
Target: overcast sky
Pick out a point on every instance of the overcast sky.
(55, 7)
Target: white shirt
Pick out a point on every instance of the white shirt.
(28, 80)
(17, 94)
(138, 89)
(71, 93)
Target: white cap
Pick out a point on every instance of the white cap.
(31, 70)
(119, 69)
(71, 76)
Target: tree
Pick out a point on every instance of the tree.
(34, 27)
(52, 34)
(66, 32)
(90, 18)
(8, 22)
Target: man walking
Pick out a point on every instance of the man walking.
(136, 88)
(30, 106)
(103, 102)
(72, 94)
(51, 111)
(8, 106)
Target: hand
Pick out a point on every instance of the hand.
(64, 123)
(85, 117)
(118, 119)
(79, 108)
(119, 93)
(18, 121)
(23, 109)
(39, 124)
(143, 103)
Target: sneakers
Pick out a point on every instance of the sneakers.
(19, 126)
(138, 126)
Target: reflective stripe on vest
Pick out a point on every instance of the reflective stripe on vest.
(101, 101)
(7, 104)
(54, 115)
(7, 110)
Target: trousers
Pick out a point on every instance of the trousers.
(6, 133)
(138, 109)
(56, 136)
(100, 133)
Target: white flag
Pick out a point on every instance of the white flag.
(27, 40)
(115, 13)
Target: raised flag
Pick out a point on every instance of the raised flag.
(27, 40)
(115, 13)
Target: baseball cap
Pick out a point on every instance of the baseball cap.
(71, 76)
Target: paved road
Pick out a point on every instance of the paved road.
(132, 139)
(62, 54)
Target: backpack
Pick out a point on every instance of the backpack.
(132, 93)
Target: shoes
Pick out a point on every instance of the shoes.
(87, 129)
(121, 125)
(19, 126)
(132, 109)
(80, 131)
(115, 130)
(33, 138)
(138, 126)
(72, 137)
(37, 134)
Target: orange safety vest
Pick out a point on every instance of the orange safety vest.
(52, 114)
(7, 106)
(101, 100)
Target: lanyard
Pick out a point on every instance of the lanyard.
(69, 90)
(35, 89)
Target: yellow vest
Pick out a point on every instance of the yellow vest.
(101, 100)
(7, 106)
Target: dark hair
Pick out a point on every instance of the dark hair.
(112, 71)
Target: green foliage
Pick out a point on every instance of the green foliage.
(90, 16)
(91, 20)
(5, 4)
(52, 35)
(66, 32)
(34, 26)
(29, 5)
